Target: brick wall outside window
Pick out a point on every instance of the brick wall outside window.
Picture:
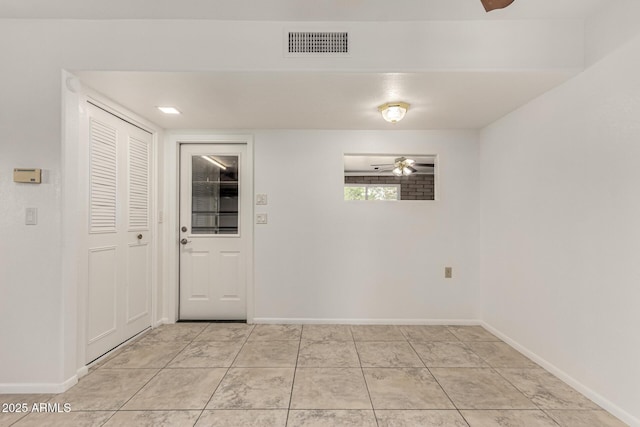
(413, 187)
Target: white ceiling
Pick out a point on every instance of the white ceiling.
(296, 10)
(320, 100)
(315, 100)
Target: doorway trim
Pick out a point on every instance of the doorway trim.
(170, 212)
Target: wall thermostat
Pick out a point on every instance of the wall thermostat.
(32, 176)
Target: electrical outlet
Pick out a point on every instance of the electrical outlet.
(448, 272)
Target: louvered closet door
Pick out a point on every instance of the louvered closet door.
(119, 234)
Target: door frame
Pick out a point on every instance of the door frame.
(171, 209)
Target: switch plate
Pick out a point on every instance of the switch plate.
(448, 272)
(261, 218)
(31, 216)
(261, 199)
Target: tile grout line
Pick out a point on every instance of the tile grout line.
(494, 369)
(438, 382)
(466, 344)
(192, 341)
(364, 378)
(293, 381)
(225, 374)
(150, 379)
(550, 417)
(518, 389)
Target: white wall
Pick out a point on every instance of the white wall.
(560, 210)
(612, 25)
(35, 333)
(320, 257)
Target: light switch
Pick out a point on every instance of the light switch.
(261, 218)
(31, 216)
(261, 199)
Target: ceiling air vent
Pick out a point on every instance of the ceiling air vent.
(318, 43)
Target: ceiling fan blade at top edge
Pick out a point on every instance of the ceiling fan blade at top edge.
(490, 5)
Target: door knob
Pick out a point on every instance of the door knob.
(139, 236)
(184, 241)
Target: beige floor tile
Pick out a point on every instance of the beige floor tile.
(480, 388)
(491, 383)
(500, 355)
(207, 354)
(254, 388)
(327, 333)
(328, 354)
(225, 332)
(18, 406)
(329, 388)
(387, 354)
(574, 418)
(105, 389)
(268, 354)
(441, 354)
(9, 418)
(276, 332)
(16, 401)
(545, 390)
(243, 418)
(422, 333)
(331, 418)
(377, 333)
(472, 333)
(181, 331)
(146, 354)
(70, 419)
(153, 419)
(422, 418)
(175, 389)
(512, 418)
(405, 388)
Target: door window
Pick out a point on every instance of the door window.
(214, 194)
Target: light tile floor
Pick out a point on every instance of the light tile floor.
(227, 375)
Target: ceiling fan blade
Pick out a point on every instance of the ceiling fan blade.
(383, 164)
(425, 165)
(490, 5)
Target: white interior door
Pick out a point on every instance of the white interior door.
(119, 232)
(214, 217)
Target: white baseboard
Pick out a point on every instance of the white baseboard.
(82, 371)
(314, 321)
(160, 322)
(588, 392)
(38, 388)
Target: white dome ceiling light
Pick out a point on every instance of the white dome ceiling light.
(393, 112)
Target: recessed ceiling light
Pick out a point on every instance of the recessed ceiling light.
(169, 110)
